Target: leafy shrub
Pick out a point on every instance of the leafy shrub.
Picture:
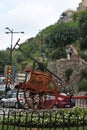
(56, 118)
(82, 86)
(83, 74)
(83, 56)
(68, 73)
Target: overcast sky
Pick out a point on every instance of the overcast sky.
(29, 16)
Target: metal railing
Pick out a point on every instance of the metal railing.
(60, 119)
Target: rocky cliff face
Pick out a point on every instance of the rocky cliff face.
(60, 66)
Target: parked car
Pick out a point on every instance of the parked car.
(64, 101)
(11, 100)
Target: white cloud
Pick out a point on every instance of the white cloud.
(30, 16)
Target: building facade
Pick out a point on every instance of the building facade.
(66, 16)
(82, 5)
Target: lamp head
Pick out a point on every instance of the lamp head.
(7, 28)
(22, 32)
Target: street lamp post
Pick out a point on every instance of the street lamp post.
(10, 31)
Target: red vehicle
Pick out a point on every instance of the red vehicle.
(64, 101)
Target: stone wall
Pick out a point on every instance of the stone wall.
(59, 66)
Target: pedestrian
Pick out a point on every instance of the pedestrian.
(69, 52)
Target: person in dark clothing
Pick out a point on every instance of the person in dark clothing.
(70, 52)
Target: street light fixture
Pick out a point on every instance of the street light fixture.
(10, 31)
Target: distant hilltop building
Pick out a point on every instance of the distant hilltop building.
(67, 15)
(82, 5)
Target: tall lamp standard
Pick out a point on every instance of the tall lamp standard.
(10, 31)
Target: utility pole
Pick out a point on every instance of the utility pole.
(10, 31)
(9, 68)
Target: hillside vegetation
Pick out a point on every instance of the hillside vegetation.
(50, 43)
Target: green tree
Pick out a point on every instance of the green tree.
(83, 29)
(68, 73)
(65, 33)
(83, 74)
(57, 54)
(82, 86)
(4, 60)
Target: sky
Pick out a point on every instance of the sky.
(30, 17)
